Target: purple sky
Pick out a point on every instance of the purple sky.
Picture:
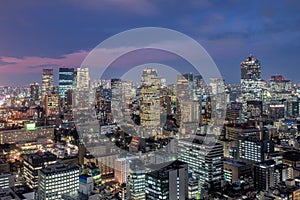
(39, 34)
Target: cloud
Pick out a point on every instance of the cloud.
(140, 7)
(34, 64)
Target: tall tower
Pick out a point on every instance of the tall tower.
(150, 98)
(34, 92)
(47, 82)
(250, 82)
(83, 78)
(66, 79)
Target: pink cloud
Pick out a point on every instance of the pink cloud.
(33, 64)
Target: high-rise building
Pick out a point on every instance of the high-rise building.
(170, 182)
(190, 116)
(198, 87)
(150, 98)
(250, 82)
(218, 101)
(66, 79)
(82, 78)
(183, 94)
(57, 180)
(205, 159)
(80, 97)
(34, 91)
(190, 78)
(47, 83)
(121, 170)
(264, 175)
(280, 88)
(292, 107)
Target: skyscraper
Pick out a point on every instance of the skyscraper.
(34, 91)
(66, 79)
(82, 78)
(280, 88)
(150, 98)
(47, 82)
(80, 99)
(250, 82)
(121, 170)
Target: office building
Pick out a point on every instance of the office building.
(35, 162)
(57, 180)
(183, 94)
(121, 170)
(7, 180)
(26, 135)
(280, 88)
(150, 98)
(82, 78)
(237, 131)
(292, 159)
(264, 175)
(34, 92)
(136, 180)
(205, 159)
(234, 171)
(170, 182)
(52, 105)
(254, 150)
(66, 79)
(47, 83)
(250, 82)
(281, 173)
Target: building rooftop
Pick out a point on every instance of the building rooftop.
(235, 163)
(59, 168)
(39, 158)
(291, 155)
(267, 163)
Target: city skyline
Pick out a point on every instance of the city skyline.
(149, 100)
(228, 31)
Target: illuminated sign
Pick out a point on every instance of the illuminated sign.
(30, 126)
(277, 106)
